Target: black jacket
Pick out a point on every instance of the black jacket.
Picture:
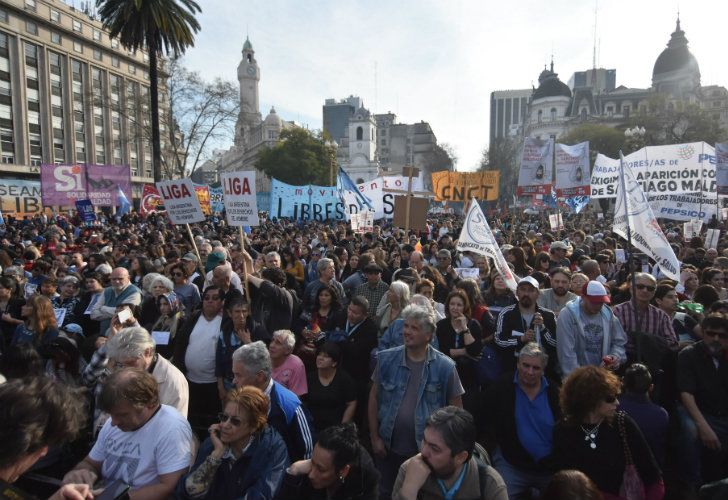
(499, 410)
(271, 309)
(508, 345)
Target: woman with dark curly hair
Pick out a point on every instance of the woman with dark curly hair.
(596, 439)
(517, 257)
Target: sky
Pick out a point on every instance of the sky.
(438, 61)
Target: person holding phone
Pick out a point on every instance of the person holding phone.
(242, 457)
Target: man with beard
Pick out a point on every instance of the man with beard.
(121, 291)
(703, 386)
(447, 466)
(524, 322)
(555, 298)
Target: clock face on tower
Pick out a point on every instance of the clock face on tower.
(251, 70)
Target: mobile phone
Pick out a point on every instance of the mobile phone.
(124, 315)
(116, 490)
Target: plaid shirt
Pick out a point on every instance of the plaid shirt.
(373, 295)
(653, 322)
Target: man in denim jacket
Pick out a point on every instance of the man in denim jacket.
(409, 383)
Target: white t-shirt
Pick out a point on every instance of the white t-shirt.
(200, 354)
(163, 445)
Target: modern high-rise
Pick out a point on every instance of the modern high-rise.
(337, 115)
(70, 94)
(507, 112)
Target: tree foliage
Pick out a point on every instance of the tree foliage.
(301, 157)
(158, 26)
(502, 154)
(602, 139)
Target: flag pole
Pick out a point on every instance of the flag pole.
(622, 185)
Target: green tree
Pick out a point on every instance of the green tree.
(301, 157)
(602, 139)
(159, 26)
(503, 155)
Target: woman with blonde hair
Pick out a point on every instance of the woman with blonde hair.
(243, 457)
(39, 326)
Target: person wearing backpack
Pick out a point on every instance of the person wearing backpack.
(450, 463)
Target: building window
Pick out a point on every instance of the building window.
(77, 26)
(114, 43)
(3, 15)
(626, 110)
(97, 55)
(79, 126)
(31, 27)
(7, 144)
(553, 114)
(610, 110)
(132, 69)
(55, 37)
(115, 61)
(55, 16)
(97, 35)
(30, 5)
(359, 133)
(583, 114)
(540, 115)
(77, 47)
(384, 142)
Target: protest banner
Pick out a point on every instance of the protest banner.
(633, 214)
(536, 173)
(216, 202)
(721, 167)
(556, 222)
(572, 170)
(362, 222)
(686, 206)
(712, 237)
(669, 169)
(477, 237)
(20, 197)
(103, 183)
(62, 185)
(203, 196)
(86, 210)
(692, 229)
(151, 200)
(239, 198)
(462, 186)
(383, 202)
(307, 202)
(181, 202)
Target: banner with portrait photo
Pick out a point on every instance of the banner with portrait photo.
(536, 173)
(572, 170)
(721, 167)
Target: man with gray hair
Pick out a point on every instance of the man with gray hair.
(522, 410)
(252, 367)
(327, 276)
(134, 348)
(398, 410)
(121, 291)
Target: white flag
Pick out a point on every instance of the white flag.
(634, 210)
(477, 237)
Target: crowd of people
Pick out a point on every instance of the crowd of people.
(305, 360)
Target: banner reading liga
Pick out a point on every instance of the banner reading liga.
(572, 170)
(462, 186)
(536, 174)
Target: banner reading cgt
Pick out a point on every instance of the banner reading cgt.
(239, 197)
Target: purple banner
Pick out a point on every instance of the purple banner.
(62, 185)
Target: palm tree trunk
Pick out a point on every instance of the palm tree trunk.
(154, 94)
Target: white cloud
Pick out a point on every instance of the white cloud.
(439, 61)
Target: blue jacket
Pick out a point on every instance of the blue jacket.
(258, 474)
(291, 420)
(392, 379)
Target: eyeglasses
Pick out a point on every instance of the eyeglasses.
(610, 399)
(224, 417)
(712, 333)
(649, 288)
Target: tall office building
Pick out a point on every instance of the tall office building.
(70, 94)
(507, 112)
(337, 115)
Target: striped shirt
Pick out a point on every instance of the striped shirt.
(652, 322)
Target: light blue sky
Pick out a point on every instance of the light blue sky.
(439, 61)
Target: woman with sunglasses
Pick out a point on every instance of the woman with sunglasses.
(591, 435)
(189, 294)
(243, 457)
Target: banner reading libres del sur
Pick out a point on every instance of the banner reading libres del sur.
(660, 170)
(312, 202)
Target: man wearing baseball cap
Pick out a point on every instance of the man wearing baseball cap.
(525, 322)
(557, 254)
(588, 333)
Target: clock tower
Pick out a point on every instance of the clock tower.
(248, 78)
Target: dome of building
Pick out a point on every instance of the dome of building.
(273, 118)
(676, 57)
(549, 85)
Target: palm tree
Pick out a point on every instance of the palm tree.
(159, 26)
